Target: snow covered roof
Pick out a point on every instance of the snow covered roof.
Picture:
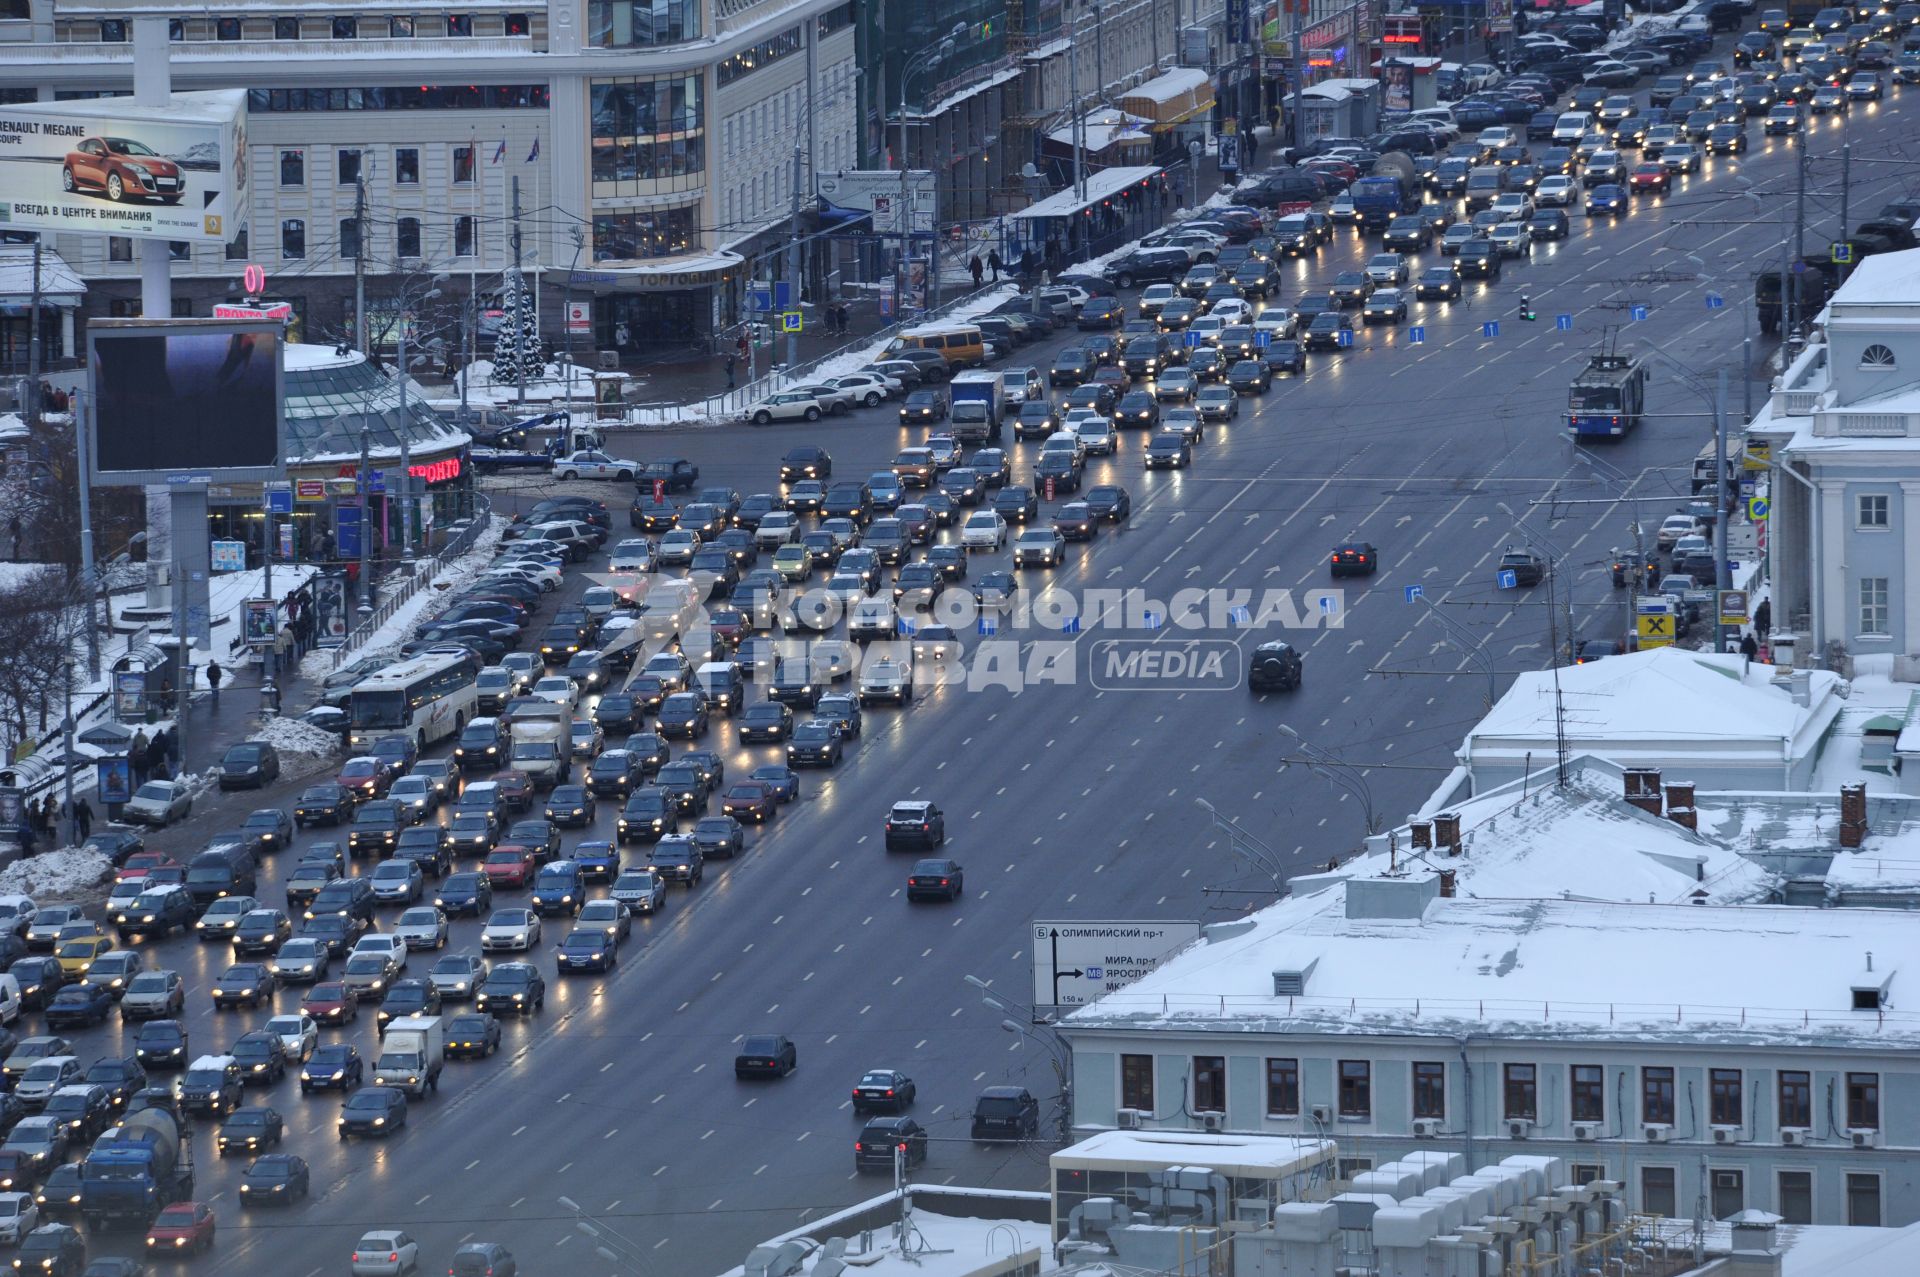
(1099, 186)
(1666, 696)
(58, 281)
(1104, 128)
(718, 260)
(1238, 1156)
(1884, 279)
(1171, 86)
(996, 1226)
(1534, 969)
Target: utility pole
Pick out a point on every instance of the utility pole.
(360, 266)
(33, 349)
(1078, 131)
(1846, 188)
(1099, 53)
(514, 318)
(1722, 578)
(1299, 72)
(366, 531)
(793, 255)
(406, 446)
(579, 243)
(87, 566)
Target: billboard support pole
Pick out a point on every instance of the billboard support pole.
(153, 87)
(360, 265)
(88, 571)
(33, 345)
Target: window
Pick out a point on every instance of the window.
(463, 236)
(407, 237)
(459, 24)
(1522, 1092)
(293, 239)
(648, 131)
(113, 30)
(657, 233)
(178, 250)
(349, 167)
(1283, 1088)
(1656, 1095)
(1878, 358)
(1723, 1097)
(1729, 1189)
(517, 24)
(1356, 1088)
(226, 28)
(237, 247)
(1863, 1201)
(1136, 1083)
(422, 97)
(760, 56)
(286, 28)
(406, 165)
(622, 24)
(293, 168)
(346, 28)
(1873, 605)
(1794, 1201)
(1873, 510)
(1863, 1101)
(176, 30)
(400, 28)
(1587, 1172)
(349, 238)
(462, 165)
(1657, 1194)
(1796, 1099)
(1210, 1083)
(1430, 1090)
(119, 248)
(1589, 1093)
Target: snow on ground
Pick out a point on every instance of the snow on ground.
(13, 575)
(56, 876)
(291, 736)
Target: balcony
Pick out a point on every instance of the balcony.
(249, 54)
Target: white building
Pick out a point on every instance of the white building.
(648, 142)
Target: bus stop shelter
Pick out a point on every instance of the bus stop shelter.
(1120, 204)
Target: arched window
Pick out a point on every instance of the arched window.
(1877, 358)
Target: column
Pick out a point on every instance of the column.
(1832, 579)
(1907, 629)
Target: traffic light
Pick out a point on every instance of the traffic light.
(1526, 309)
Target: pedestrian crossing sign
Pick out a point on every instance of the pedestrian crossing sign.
(790, 321)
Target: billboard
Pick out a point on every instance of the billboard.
(184, 400)
(1074, 963)
(109, 167)
(876, 192)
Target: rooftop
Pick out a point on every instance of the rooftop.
(1238, 1156)
(1884, 279)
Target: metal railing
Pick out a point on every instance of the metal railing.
(424, 571)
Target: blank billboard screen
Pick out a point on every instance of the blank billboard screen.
(185, 401)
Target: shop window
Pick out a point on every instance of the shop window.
(179, 250)
(237, 247)
(113, 31)
(517, 24)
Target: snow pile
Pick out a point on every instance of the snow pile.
(292, 736)
(57, 875)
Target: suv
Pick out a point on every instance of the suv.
(1148, 266)
(1527, 567)
(1275, 667)
(914, 825)
(1005, 1113)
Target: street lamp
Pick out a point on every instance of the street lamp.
(1060, 1054)
(1474, 648)
(1554, 558)
(1249, 848)
(1336, 771)
(605, 1238)
(918, 62)
(1716, 401)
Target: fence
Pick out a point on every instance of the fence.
(424, 571)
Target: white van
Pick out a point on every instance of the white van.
(871, 619)
(1571, 127)
(9, 999)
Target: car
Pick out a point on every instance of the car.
(249, 765)
(1168, 448)
(1044, 547)
(275, 1179)
(261, 932)
(373, 1110)
(1527, 567)
(122, 169)
(302, 960)
(333, 1066)
(591, 463)
(161, 1044)
(77, 955)
(766, 1055)
(890, 1143)
(151, 995)
(331, 1002)
(158, 803)
(248, 1130)
(385, 1253)
(183, 1228)
(1386, 306)
(79, 1005)
(935, 879)
(1003, 1113)
(1274, 666)
(512, 988)
(510, 930)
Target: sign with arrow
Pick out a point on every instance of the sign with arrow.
(1074, 963)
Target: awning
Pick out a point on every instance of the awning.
(1106, 127)
(666, 274)
(59, 285)
(1170, 99)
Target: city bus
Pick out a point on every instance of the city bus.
(1608, 397)
(426, 697)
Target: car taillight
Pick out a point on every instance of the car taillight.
(901, 1147)
(858, 1147)
(391, 1258)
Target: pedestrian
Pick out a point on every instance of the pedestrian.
(166, 694)
(976, 269)
(994, 263)
(213, 679)
(1749, 647)
(283, 651)
(1763, 617)
(740, 346)
(622, 335)
(82, 819)
(161, 771)
(730, 364)
(170, 744)
(137, 751)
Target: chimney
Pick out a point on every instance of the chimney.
(1447, 882)
(1643, 788)
(1446, 831)
(1685, 817)
(1853, 815)
(1679, 794)
(1800, 686)
(1421, 832)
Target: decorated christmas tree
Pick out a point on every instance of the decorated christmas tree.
(517, 352)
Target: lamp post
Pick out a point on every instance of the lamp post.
(1716, 401)
(601, 1233)
(918, 62)
(1249, 848)
(1058, 1052)
(1554, 557)
(1474, 648)
(1336, 771)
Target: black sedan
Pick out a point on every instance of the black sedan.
(274, 1180)
(1354, 558)
(1438, 283)
(472, 1036)
(766, 1055)
(587, 949)
(323, 805)
(1288, 356)
(333, 1066)
(883, 1091)
(1248, 376)
(1110, 502)
(373, 1110)
(936, 878)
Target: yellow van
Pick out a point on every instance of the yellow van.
(959, 344)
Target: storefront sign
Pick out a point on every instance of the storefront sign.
(330, 610)
(310, 490)
(579, 317)
(346, 526)
(428, 471)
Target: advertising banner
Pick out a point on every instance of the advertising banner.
(579, 317)
(346, 526)
(229, 556)
(259, 617)
(176, 172)
(113, 777)
(330, 611)
(854, 192)
(130, 696)
(185, 400)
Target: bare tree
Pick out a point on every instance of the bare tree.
(38, 625)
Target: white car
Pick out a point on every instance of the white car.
(868, 387)
(298, 1035)
(301, 960)
(635, 554)
(385, 1252)
(983, 530)
(158, 802)
(671, 668)
(1386, 270)
(1277, 321)
(610, 916)
(415, 794)
(641, 890)
(594, 464)
(1157, 296)
(777, 527)
(421, 927)
(510, 930)
(784, 405)
(677, 547)
(1500, 135)
(1098, 435)
(599, 601)
(1206, 329)
(1514, 206)
(384, 943)
(830, 397)
(1558, 191)
(557, 688)
(532, 572)
(1230, 310)
(18, 1217)
(1039, 545)
(1513, 239)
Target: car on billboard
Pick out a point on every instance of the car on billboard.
(121, 168)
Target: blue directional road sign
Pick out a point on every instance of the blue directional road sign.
(1262, 338)
(1715, 301)
(903, 626)
(1638, 313)
(1507, 580)
(1490, 329)
(1413, 592)
(1417, 335)
(1190, 339)
(760, 300)
(987, 626)
(376, 481)
(1239, 616)
(1151, 620)
(1070, 626)
(1563, 322)
(1842, 253)
(790, 321)
(1345, 337)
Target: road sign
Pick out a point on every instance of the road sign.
(790, 321)
(1329, 604)
(1757, 455)
(1417, 335)
(1074, 963)
(1734, 608)
(1654, 623)
(1150, 620)
(376, 481)
(1758, 509)
(1239, 616)
(1715, 301)
(280, 500)
(1414, 593)
(1490, 329)
(987, 626)
(903, 626)
(1071, 625)
(1344, 337)
(1841, 252)
(1563, 322)
(1507, 579)
(760, 300)
(1190, 339)
(1262, 338)
(1638, 313)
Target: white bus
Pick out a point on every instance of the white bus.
(426, 697)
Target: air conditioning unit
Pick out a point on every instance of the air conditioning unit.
(1426, 1128)
(1586, 1130)
(1864, 1137)
(1127, 1119)
(1794, 1136)
(1321, 1113)
(1657, 1132)
(1727, 1134)
(1211, 1121)
(1518, 1128)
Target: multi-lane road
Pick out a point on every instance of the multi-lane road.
(1062, 799)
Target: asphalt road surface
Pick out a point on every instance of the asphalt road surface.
(1064, 800)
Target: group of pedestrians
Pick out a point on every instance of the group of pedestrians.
(978, 269)
(153, 758)
(46, 818)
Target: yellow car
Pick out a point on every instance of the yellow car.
(76, 956)
(793, 561)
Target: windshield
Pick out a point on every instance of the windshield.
(378, 708)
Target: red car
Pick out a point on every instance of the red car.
(366, 776)
(515, 789)
(122, 169)
(331, 1002)
(510, 868)
(1651, 175)
(184, 1228)
(141, 864)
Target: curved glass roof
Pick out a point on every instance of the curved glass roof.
(332, 399)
